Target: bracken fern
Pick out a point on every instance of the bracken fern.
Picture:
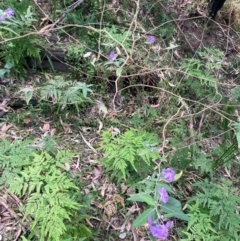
(48, 188)
(130, 152)
(220, 201)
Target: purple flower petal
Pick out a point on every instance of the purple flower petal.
(163, 195)
(9, 12)
(169, 224)
(112, 56)
(151, 40)
(158, 231)
(149, 221)
(168, 174)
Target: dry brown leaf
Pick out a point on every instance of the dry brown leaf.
(110, 208)
(45, 30)
(86, 129)
(100, 126)
(103, 189)
(52, 132)
(26, 120)
(46, 127)
(97, 174)
(67, 129)
(5, 127)
(102, 108)
(155, 106)
(118, 199)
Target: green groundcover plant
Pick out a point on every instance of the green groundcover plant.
(16, 42)
(129, 153)
(42, 181)
(214, 212)
(160, 206)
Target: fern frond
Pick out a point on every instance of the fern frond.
(129, 152)
(48, 188)
(221, 203)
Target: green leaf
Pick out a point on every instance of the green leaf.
(237, 131)
(23, 238)
(172, 210)
(9, 29)
(8, 66)
(142, 197)
(177, 176)
(142, 218)
(3, 72)
(119, 71)
(28, 96)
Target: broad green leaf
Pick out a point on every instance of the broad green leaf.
(28, 96)
(142, 218)
(173, 211)
(174, 202)
(3, 72)
(119, 71)
(142, 197)
(8, 65)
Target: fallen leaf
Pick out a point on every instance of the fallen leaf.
(102, 108)
(122, 235)
(97, 174)
(46, 127)
(26, 120)
(5, 127)
(155, 106)
(52, 132)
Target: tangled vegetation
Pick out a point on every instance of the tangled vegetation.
(119, 120)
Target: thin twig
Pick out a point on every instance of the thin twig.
(179, 29)
(88, 144)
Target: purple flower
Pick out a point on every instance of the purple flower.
(169, 224)
(2, 17)
(112, 56)
(9, 12)
(163, 195)
(151, 40)
(168, 174)
(157, 230)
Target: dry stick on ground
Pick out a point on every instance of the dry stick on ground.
(179, 29)
(13, 214)
(45, 30)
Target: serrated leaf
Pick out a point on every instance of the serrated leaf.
(142, 218)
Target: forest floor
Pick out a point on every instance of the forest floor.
(80, 130)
